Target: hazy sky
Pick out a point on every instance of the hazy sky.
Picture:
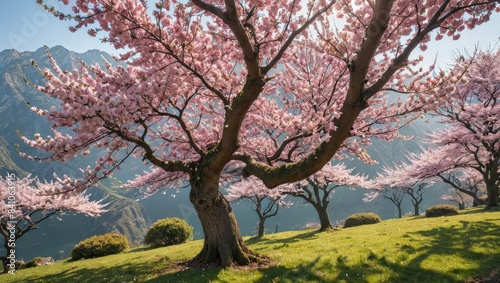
(26, 27)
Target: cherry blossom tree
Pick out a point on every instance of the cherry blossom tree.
(468, 185)
(394, 195)
(471, 142)
(462, 200)
(266, 202)
(277, 88)
(397, 181)
(436, 164)
(416, 194)
(318, 188)
(28, 201)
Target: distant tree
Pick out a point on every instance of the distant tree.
(416, 194)
(462, 200)
(394, 195)
(279, 87)
(318, 188)
(468, 185)
(472, 139)
(436, 164)
(27, 202)
(393, 183)
(266, 203)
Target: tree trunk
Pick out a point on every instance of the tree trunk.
(400, 212)
(223, 243)
(324, 218)
(416, 206)
(261, 228)
(493, 197)
(416, 210)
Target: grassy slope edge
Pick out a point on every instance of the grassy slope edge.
(414, 249)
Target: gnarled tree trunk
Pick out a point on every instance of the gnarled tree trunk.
(223, 243)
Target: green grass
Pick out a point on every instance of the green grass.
(415, 249)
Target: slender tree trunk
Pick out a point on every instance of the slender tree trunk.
(223, 243)
(400, 212)
(261, 228)
(324, 218)
(416, 206)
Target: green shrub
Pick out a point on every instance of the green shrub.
(362, 219)
(441, 210)
(102, 245)
(167, 232)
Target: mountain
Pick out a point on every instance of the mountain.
(6, 163)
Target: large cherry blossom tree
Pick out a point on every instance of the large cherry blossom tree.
(276, 88)
(26, 202)
(470, 145)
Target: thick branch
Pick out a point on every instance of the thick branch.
(400, 61)
(169, 166)
(294, 34)
(353, 105)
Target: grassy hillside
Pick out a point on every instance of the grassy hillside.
(415, 249)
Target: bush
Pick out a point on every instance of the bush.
(363, 218)
(167, 232)
(441, 210)
(102, 245)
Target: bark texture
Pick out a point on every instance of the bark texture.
(324, 218)
(223, 243)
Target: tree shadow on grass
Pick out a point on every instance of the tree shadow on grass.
(167, 271)
(461, 212)
(454, 242)
(305, 272)
(307, 235)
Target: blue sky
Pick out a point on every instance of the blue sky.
(26, 27)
